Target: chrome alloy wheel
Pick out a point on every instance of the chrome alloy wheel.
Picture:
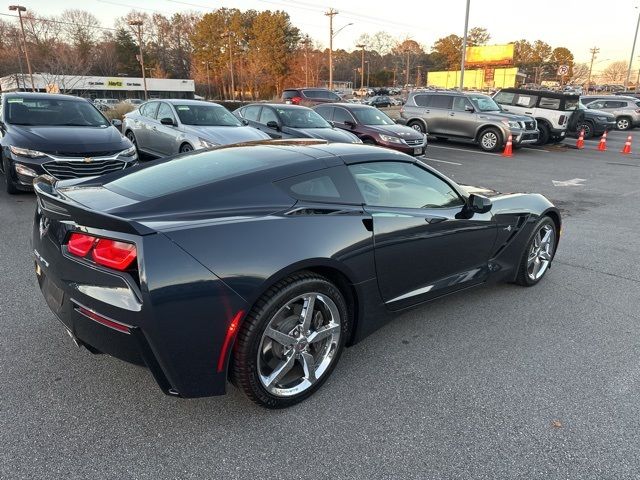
(299, 344)
(622, 124)
(540, 252)
(489, 140)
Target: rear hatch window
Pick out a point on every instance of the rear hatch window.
(288, 94)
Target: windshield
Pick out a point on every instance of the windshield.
(571, 103)
(54, 112)
(484, 103)
(206, 116)
(301, 118)
(371, 116)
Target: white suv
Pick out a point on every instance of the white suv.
(551, 110)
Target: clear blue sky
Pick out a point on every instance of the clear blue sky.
(578, 25)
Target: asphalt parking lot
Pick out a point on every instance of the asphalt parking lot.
(498, 383)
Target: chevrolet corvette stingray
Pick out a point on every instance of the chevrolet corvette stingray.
(258, 263)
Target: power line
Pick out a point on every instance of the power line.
(50, 20)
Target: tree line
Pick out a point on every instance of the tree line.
(265, 51)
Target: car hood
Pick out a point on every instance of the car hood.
(68, 139)
(226, 135)
(329, 134)
(396, 130)
(498, 116)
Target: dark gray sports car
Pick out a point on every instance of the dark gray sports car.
(260, 263)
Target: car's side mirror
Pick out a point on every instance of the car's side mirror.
(479, 203)
(350, 123)
(245, 121)
(116, 123)
(273, 124)
(469, 108)
(167, 121)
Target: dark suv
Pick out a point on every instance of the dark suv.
(309, 96)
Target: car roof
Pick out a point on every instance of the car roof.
(546, 93)
(42, 96)
(278, 105)
(348, 106)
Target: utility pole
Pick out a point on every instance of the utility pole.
(418, 75)
(368, 72)
(20, 9)
(594, 51)
(206, 62)
(408, 69)
(362, 46)
(138, 24)
(633, 50)
(331, 13)
(306, 60)
(229, 34)
(464, 45)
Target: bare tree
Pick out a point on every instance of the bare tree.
(615, 72)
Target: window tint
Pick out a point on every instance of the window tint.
(459, 103)
(289, 94)
(441, 101)
(615, 104)
(320, 186)
(527, 101)
(402, 185)
(165, 112)
(320, 94)
(251, 112)
(341, 115)
(504, 98)
(149, 109)
(422, 100)
(596, 105)
(268, 115)
(549, 103)
(331, 185)
(325, 112)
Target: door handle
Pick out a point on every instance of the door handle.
(528, 113)
(452, 114)
(431, 220)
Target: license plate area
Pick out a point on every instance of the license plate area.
(417, 151)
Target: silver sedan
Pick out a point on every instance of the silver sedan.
(166, 127)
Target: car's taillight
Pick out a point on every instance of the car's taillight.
(296, 100)
(104, 251)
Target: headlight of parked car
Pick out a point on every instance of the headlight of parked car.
(390, 139)
(25, 152)
(511, 124)
(206, 143)
(129, 152)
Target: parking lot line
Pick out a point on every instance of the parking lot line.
(464, 150)
(441, 161)
(531, 149)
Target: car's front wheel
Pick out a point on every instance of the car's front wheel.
(9, 184)
(537, 257)
(490, 140)
(417, 125)
(290, 341)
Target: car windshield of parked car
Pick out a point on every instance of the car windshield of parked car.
(571, 103)
(484, 103)
(372, 116)
(206, 116)
(301, 118)
(53, 112)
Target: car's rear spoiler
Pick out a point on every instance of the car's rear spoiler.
(60, 207)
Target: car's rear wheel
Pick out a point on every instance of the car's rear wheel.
(9, 184)
(623, 123)
(537, 257)
(185, 147)
(490, 140)
(417, 125)
(290, 341)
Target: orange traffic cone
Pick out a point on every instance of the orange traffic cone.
(602, 146)
(508, 148)
(627, 146)
(580, 142)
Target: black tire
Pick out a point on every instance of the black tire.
(623, 123)
(417, 125)
(523, 277)
(588, 129)
(185, 147)
(490, 140)
(244, 369)
(544, 134)
(9, 185)
(132, 138)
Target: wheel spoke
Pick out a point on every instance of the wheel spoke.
(280, 337)
(280, 371)
(545, 256)
(308, 365)
(547, 237)
(323, 333)
(536, 267)
(307, 312)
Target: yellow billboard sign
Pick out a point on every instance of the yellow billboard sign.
(490, 55)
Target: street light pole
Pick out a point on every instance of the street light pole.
(20, 9)
(633, 49)
(368, 72)
(206, 62)
(138, 24)
(331, 13)
(464, 45)
(362, 46)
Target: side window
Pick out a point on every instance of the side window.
(325, 112)
(441, 101)
(165, 112)
(504, 98)
(459, 103)
(341, 115)
(597, 104)
(402, 185)
(251, 112)
(611, 104)
(330, 185)
(549, 103)
(527, 101)
(149, 109)
(268, 115)
(422, 100)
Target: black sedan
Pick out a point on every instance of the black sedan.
(380, 101)
(260, 262)
(61, 135)
(292, 121)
